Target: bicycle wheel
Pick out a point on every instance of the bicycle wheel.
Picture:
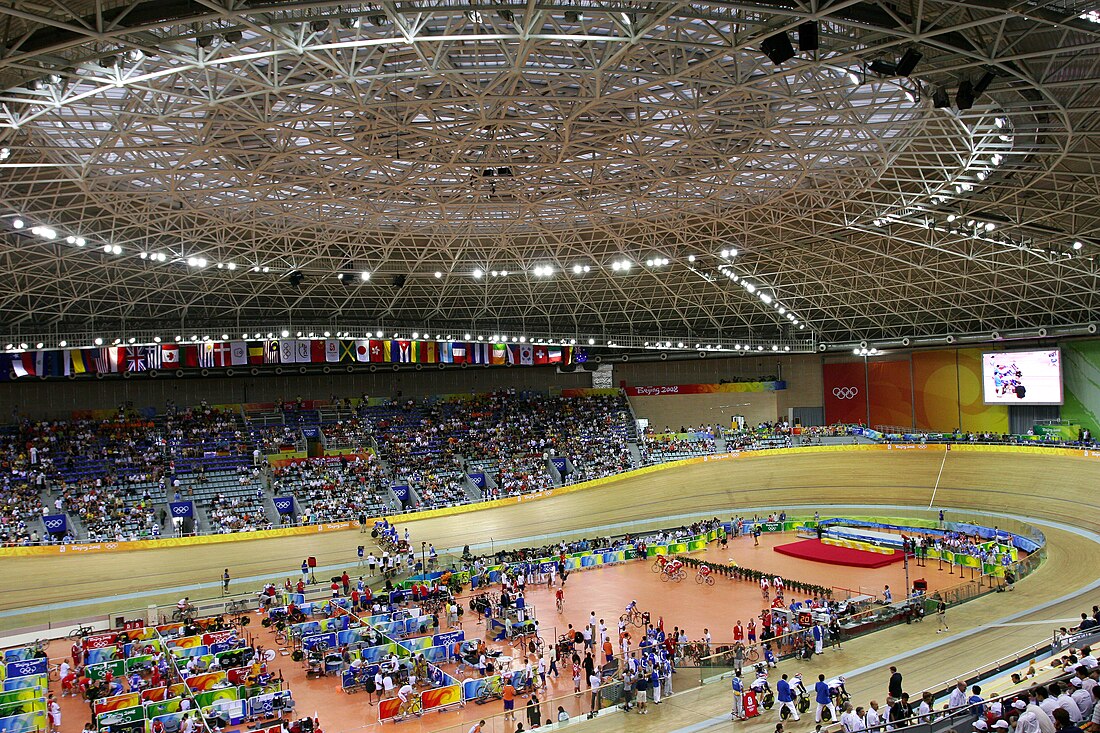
(55, 673)
(76, 633)
(657, 567)
(699, 578)
(665, 577)
(752, 654)
(710, 580)
(281, 638)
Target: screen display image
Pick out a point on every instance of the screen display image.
(1022, 377)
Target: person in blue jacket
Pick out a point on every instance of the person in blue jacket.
(738, 711)
(785, 697)
(823, 699)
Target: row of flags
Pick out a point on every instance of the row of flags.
(220, 354)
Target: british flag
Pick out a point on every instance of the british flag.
(136, 359)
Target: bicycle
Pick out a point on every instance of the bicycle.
(561, 605)
(493, 689)
(659, 564)
(704, 578)
(409, 708)
(54, 672)
(634, 617)
(80, 632)
(236, 608)
(187, 613)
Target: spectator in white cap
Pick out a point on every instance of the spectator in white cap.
(981, 725)
(1000, 725)
(1080, 696)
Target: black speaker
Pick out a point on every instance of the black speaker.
(909, 61)
(983, 83)
(778, 48)
(885, 68)
(399, 281)
(807, 36)
(940, 98)
(964, 98)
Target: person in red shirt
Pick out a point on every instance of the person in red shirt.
(301, 586)
(77, 653)
(752, 631)
(345, 581)
(355, 598)
(335, 589)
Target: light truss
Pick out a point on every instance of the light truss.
(408, 139)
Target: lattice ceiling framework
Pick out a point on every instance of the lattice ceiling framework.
(409, 139)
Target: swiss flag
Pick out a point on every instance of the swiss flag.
(170, 356)
(541, 355)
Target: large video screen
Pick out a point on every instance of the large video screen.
(1022, 377)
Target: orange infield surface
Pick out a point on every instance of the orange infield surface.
(1015, 485)
(605, 591)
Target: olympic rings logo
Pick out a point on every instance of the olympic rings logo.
(845, 393)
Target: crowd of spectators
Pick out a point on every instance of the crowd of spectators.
(241, 513)
(330, 489)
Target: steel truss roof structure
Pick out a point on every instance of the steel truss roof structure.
(635, 168)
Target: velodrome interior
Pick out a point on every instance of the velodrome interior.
(999, 488)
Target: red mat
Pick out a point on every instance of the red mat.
(818, 551)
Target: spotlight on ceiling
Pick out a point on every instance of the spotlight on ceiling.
(807, 36)
(778, 48)
(506, 14)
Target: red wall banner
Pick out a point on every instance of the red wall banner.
(845, 393)
(891, 393)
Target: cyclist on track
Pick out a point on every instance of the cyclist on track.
(673, 566)
(630, 607)
(559, 596)
(704, 570)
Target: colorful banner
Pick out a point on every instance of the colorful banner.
(441, 697)
(679, 389)
(116, 702)
(284, 504)
(25, 667)
(478, 480)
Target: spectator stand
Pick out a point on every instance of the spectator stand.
(666, 447)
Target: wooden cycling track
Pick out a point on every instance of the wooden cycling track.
(1045, 487)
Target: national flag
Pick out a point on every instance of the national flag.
(153, 359)
(302, 353)
(458, 352)
(445, 356)
(429, 353)
(317, 351)
(378, 351)
(362, 350)
(272, 352)
(389, 351)
(206, 354)
(567, 355)
(238, 353)
(332, 350)
(526, 354)
(479, 353)
(107, 360)
(500, 354)
(541, 355)
(401, 351)
(170, 356)
(56, 363)
(287, 351)
(348, 350)
(23, 364)
(255, 352)
(513, 354)
(189, 356)
(79, 365)
(135, 359)
(554, 355)
(414, 351)
(580, 355)
(223, 354)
